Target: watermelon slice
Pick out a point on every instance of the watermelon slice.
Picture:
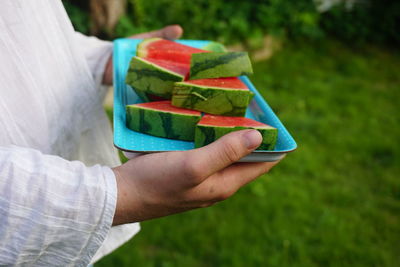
(216, 65)
(161, 49)
(222, 96)
(215, 47)
(211, 127)
(156, 77)
(163, 120)
(149, 97)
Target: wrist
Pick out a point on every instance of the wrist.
(127, 202)
(138, 199)
(108, 72)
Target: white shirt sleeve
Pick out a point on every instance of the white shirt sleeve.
(97, 52)
(49, 209)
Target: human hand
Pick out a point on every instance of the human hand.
(161, 184)
(168, 32)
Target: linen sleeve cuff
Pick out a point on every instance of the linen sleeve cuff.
(107, 217)
(52, 211)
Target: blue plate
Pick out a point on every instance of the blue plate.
(131, 142)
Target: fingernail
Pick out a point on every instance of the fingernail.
(252, 139)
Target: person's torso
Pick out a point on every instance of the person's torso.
(45, 85)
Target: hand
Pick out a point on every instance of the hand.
(168, 32)
(161, 184)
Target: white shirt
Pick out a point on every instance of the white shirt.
(57, 191)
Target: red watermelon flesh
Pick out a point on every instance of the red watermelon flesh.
(155, 97)
(161, 49)
(166, 106)
(224, 121)
(231, 83)
(180, 68)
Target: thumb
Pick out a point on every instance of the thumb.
(172, 32)
(225, 151)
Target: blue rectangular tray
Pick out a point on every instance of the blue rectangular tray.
(131, 142)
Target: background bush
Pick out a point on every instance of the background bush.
(375, 21)
(238, 21)
(233, 21)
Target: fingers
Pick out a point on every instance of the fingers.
(241, 174)
(224, 184)
(203, 162)
(170, 32)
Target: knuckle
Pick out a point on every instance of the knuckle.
(192, 170)
(231, 151)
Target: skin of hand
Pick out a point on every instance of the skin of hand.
(169, 32)
(160, 184)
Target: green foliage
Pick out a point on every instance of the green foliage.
(78, 15)
(333, 202)
(368, 21)
(233, 21)
(248, 21)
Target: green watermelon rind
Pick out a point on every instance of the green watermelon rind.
(161, 123)
(215, 47)
(146, 77)
(218, 65)
(141, 49)
(144, 96)
(212, 100)
(206, 134)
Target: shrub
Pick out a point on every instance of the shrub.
(375, 21)
(233, 21)
(240, 21)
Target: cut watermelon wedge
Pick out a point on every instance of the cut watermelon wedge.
(217, 65)
(156, 77)
(220, 96)
(215, 47)
(161, 49)
(162, 119)
(211, 127)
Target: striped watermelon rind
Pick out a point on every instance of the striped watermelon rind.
(206, 134)
(213, 100)
(147, 77)
(215, 47)
(221, 64)
(141, 49)
(175, 124)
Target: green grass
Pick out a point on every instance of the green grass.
(333, 202)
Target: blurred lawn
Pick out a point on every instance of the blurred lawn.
(333, 202)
